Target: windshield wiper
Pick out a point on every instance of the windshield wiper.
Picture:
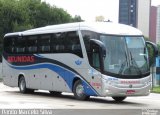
(122, 67)
(123, 64)
(134, 64)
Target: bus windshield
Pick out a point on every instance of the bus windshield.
(125, 55)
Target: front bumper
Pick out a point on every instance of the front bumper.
(115, 91)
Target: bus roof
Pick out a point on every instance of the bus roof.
(100, 27)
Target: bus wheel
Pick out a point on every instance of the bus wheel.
(78, 91)
(55, 93)
(22, 85)
(119, 99)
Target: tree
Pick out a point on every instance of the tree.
(20, 15)
(158, 46)
(77, 18)
(42, 14)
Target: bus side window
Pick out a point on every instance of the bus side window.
(66, 42)
(87, 35)
(61, 42)
(31, 46)
(53, 43)
(95, 57)
(73, 44)
(44, 43)
(9, 45)
(20, 45)
(57, 43)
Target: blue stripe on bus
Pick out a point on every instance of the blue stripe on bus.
(64, 73)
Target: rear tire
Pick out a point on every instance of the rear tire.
(119, 99)
(78, 91)
(22, 85)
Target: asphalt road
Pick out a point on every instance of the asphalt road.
(11, 98)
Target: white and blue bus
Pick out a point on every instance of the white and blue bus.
(87, 59)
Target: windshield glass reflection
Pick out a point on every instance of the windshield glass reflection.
(125, 55)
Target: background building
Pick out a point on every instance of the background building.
(153, 23)
(135, 13)
(154, 34)
(158, 25)
(128, 12)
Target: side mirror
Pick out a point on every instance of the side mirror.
(153, 52)
(101, 46)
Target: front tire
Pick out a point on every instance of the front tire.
(119, 99)
(78, 91)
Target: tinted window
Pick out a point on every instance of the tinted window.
(44, 43)
(31, 46)
(20, 45)
(67, 42)
(9, 44)
(87, 35)
(57, 43)
(73, 44)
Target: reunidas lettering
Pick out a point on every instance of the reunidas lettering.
(12, 59)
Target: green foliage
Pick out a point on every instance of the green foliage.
(156, 90)
(77, 18)
(20, 15)
(158, 46)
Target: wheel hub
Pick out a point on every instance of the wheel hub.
(80, 90)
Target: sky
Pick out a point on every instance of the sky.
(89, 9)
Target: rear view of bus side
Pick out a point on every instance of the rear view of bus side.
(87, 59)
